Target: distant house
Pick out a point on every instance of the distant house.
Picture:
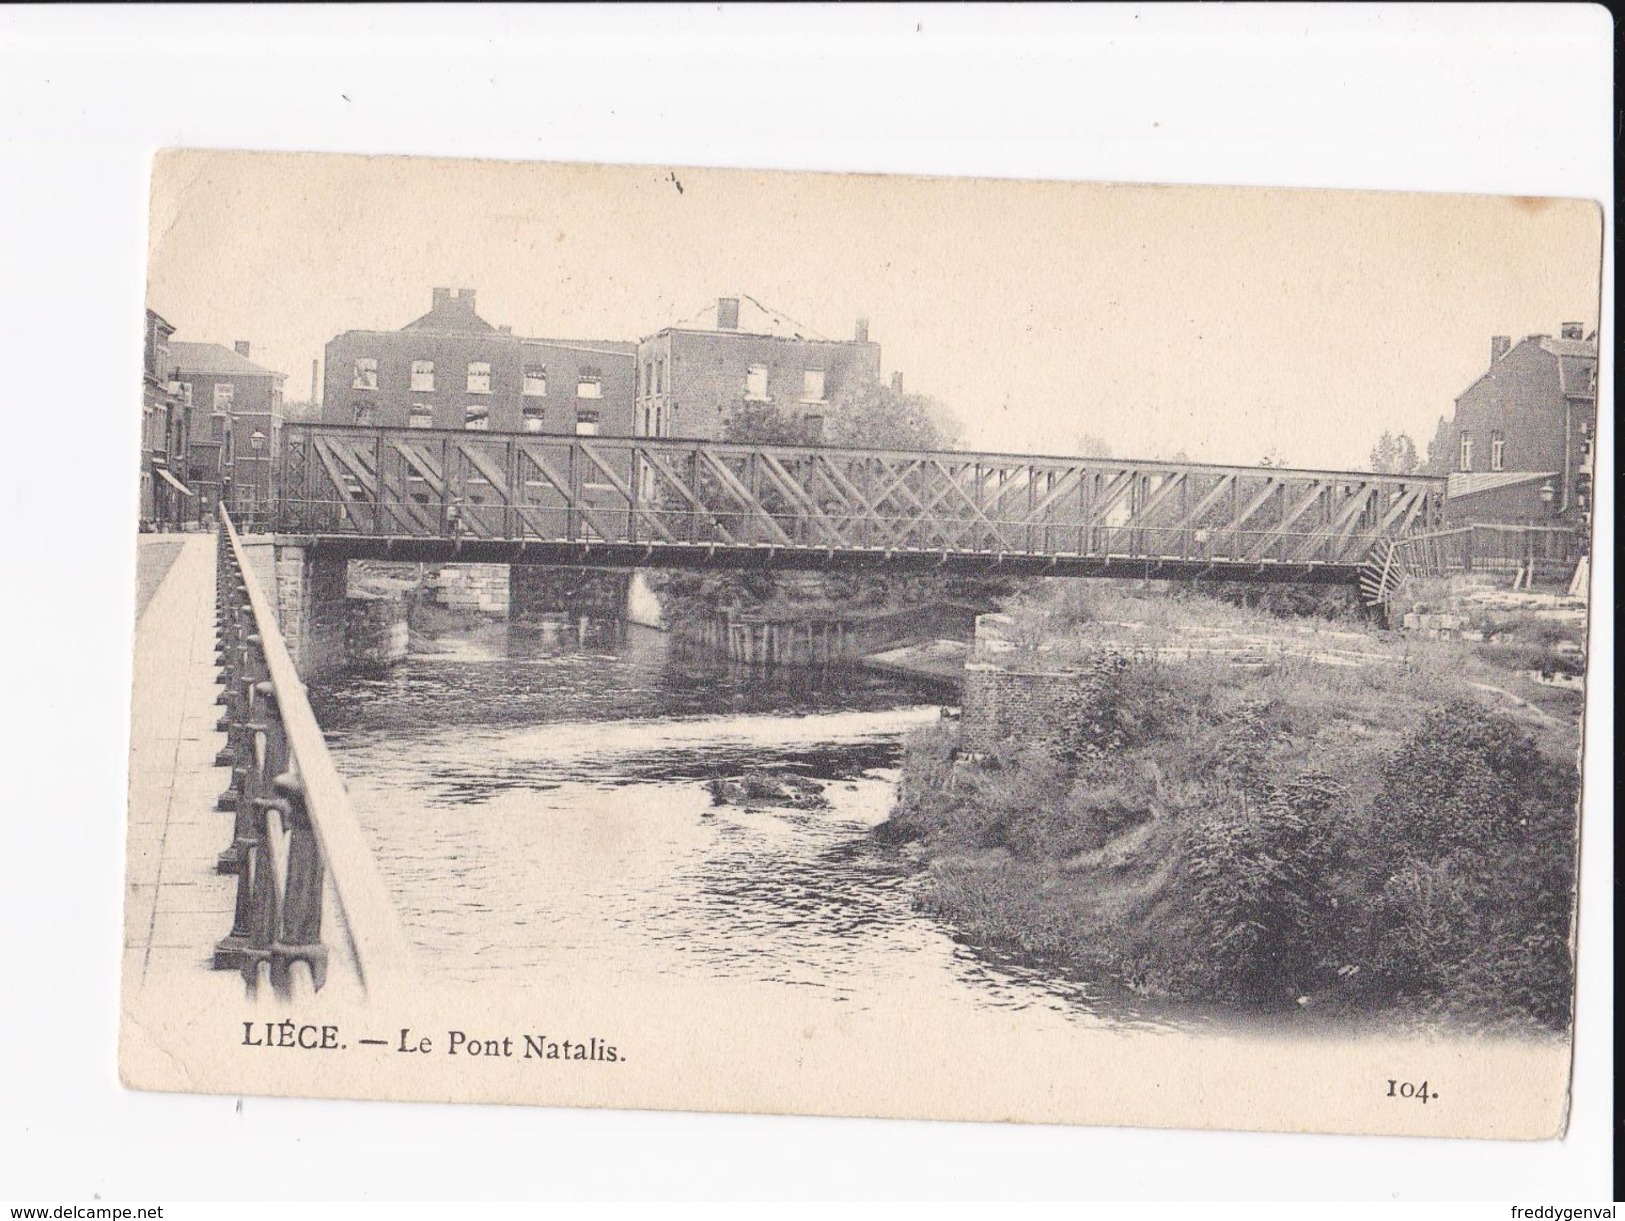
(453, 369)
(693, 375)
(235, 408)
(165, 495)
(1518, 447)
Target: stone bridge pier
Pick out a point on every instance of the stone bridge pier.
(330, 621)
(325, 628)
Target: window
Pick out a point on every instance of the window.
(479, 377)
(756, 383)
(423, 375)
(362, 413)
(366, 374)
(660, 375)
(812, 386)
(535, 413)
(648, 377)
(420, 416)
(185, 392)
(589, 388)
(477, 419)
(1498, 451)
(1466, 451)
(586, 423)
(536, 380)
(223, 395)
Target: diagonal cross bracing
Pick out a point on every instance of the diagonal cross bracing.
(816, 504)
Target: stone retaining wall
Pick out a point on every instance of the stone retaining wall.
(470, 587)
(1056, 709)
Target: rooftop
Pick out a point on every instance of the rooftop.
(1471, 483)
(214, 358)
(754, 318)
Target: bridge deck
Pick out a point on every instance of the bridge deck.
(175, 904)
(424, 550)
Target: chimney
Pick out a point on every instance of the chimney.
(313, 382)
(897, 381)
(727, 313)
(1574, 330)
(442, 296)
(860, 333)
(465, 297)
(242, 348)
(1500, 345)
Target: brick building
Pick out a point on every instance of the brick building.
(165, 496)
(235, 407)
(453, 369)
(693, 375)
(1518, 447)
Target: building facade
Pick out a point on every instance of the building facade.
(164, 435)
(235, 407)
(692, 377)
(451, 369)
(1518, 447)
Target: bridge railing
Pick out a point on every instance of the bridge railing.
(1525, 552)
(675, 494)
(308, 888)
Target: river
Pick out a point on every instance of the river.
(537, 803)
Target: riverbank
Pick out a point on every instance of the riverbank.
(1324, 819)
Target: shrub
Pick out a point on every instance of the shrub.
(1472, 870)
(1261, 914)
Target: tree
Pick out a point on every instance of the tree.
(879, 416)
(1088, 445)
(764, 424)
(1395, 455)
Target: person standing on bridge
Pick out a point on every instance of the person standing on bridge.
(454, 516)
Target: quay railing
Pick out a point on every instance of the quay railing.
(308, 889)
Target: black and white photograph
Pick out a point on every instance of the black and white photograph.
(730, 640)
(756, 607)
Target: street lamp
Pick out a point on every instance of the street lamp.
(256, 443)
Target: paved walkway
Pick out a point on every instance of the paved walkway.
(154, 553)
(175, 906)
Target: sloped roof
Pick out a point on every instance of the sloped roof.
(754, 319)
(453, 316)
(1472, 483)
(619, 347)
(214, 358)
(1570, 347)
(1576, 364)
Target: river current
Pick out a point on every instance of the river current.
(537, 803)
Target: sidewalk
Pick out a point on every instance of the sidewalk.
(175, 905)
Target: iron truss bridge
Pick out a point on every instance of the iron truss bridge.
(478, 497)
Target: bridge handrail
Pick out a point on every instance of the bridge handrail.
(373, 939)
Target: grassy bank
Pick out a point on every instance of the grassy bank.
(1387, 837)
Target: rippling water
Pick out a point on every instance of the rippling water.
(537, 805)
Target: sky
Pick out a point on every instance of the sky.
(1225, 324)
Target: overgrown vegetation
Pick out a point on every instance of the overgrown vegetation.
(1381, 838)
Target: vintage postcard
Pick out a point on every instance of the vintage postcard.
(860, 645)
